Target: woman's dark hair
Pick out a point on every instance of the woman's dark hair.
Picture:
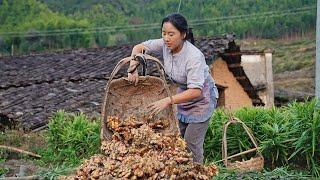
(179, 22)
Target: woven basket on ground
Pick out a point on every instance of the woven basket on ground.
(256, 163)
(124, 99)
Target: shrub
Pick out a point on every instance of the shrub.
(70, 138)
(287, 136)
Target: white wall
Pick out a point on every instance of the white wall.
(258, 68)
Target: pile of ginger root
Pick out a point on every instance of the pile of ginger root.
(139, 149)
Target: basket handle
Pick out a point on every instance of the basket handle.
(148, 57)
(234, 120)
(116, 69)
(141, 60)
(114, 72)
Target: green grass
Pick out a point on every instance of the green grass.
(70, 139)
(289, 55)
(277, 173)
(53, 171)
(3, 171)
(18, 139)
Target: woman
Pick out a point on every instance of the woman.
(185, 64)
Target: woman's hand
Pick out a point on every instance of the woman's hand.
(158, 106)
(133, 77)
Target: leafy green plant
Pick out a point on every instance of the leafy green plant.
(276, 143)
(287, 136)
(306, 122)
(3, 171)
(54, 171)
(70, 138)
(212, 145)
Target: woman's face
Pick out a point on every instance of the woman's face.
(172, 37)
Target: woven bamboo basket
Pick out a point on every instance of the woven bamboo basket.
(123, 99)
(256, 163)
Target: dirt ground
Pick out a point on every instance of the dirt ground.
(294, 85)
(14, 164)
(19, 168)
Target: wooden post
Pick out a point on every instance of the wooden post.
(269, 78)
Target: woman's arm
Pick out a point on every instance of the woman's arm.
(186, 96)
(137, 49)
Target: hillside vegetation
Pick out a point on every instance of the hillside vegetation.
(290, 54)
(34, 25)
(293, 65)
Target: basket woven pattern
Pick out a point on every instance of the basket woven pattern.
(123, 99)
(253, 164)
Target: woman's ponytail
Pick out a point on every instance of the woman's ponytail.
(190, 36)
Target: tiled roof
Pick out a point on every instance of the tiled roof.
(34, 86)
(232, 56)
